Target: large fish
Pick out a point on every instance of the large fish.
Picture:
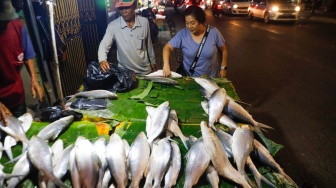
(242, 146)
(219, 158)
(87, 163)
(216, 105)
(224, 119)
(159, 73)
(159, 121)
(226, 140)
(158, 163)
(265, 157)
(174, 166)
(138, 157)
(52, 131)
(236, 111)
(197, 162)
(14, 129)
(160, 80)
(97, 94)
(116, 160)
(40, 156)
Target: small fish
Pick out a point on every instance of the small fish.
(97, 94)
(56, 150)
(159, 121)
(212, 176)
(161, 80)
(21, 168)
(159, 73)
(173, 127)
(100, 148)
(27, 120)
(61, 167)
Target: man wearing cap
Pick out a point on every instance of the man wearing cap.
(15, 50)
(132, 36)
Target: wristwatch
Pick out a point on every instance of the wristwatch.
(224, 67)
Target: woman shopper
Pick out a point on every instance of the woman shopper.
(190, 40)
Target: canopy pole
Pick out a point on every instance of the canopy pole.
(50, 4)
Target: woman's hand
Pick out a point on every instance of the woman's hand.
(104, 66)
(166, 69)
(3, 111)
(222, 73)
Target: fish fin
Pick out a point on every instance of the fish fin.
(266, 181)
(184, 141)
(244, 103)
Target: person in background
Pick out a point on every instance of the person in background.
(189, 39)
(132, 36)
(15, 50)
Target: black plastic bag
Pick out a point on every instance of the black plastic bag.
(115, 79)
(53, 113)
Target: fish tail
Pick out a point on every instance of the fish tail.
(263, 126)
(184, 141)
(266, 181)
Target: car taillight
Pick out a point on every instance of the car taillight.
(219, 6)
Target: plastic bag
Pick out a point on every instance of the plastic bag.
(114, 79)
(53, 113)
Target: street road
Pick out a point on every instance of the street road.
(287, 72)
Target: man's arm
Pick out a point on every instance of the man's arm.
(35, 86)
(104, 48)
(3, 111)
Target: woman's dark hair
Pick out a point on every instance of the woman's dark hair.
(196, 12)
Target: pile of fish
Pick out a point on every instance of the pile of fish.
(153, 159)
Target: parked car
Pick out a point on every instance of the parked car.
(200, 3)
(235, 6)
(277, 10)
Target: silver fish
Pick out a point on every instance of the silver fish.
(106, 179)
(158, 163)
(100, 148)
(52, 131)
(265, 157)
(212, 176)
(224, 119)
(87, 162)
(226, 140)
(21, 168)
(161, 80)
(216, 105)
(159, 73)
(197, 162)
(242, 146)
(40, 156)
(75, 178)
(173, 127)
(61, 167)
(174, 166)
(238, 112)
(97, 94)
(56, 150)
(218, 156)
(159, 121)
(116, 160)
(14, 129)
(138, 158)
(151, 112)
(26, 120)
(9, 142)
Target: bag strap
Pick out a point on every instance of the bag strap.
(193, 65)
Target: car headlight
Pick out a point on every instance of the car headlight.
(297, 8)
(235, 6)
(275, 8)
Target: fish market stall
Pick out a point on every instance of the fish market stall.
(127, 118)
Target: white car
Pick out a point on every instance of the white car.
(235, 6)
(281, 10)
